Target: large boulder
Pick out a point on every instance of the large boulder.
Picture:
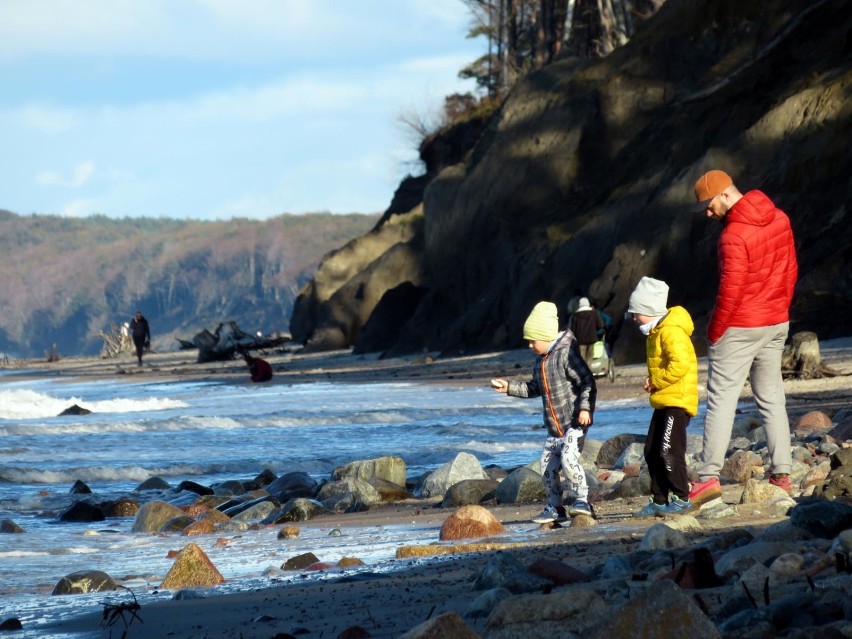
(389, 468)
(358, 488)
(468, 522)
(443, 626)
(462, 466)
(469, 491)
(522, 486)
(84, 581)
(191, 568)
(152, 516)
(563, 612)
(294, 484)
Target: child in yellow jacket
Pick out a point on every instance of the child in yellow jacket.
(673, 386)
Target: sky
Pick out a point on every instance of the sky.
(215, 109)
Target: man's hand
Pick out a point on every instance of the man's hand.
(647, 386)
(584, 418)
(500, 385)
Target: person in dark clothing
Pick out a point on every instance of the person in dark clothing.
(259, 368)
(585, 324)
(141, 334)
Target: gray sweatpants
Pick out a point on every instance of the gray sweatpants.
(740, 353)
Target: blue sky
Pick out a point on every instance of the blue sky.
(213, 109)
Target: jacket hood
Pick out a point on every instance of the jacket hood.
(753, 208)
(677, 316)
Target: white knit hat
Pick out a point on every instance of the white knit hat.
(649, 298)
(584, 304)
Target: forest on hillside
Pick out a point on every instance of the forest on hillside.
(63, 280)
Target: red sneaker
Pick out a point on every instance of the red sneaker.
(782, 481)
(704, 491)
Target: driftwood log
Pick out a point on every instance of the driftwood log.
(226, 342)
(801, 358)
(116, 341)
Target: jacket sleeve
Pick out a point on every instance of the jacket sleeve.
(678, 348)
(792, 269)
(733, 270)
(581, 377)
(523, 389)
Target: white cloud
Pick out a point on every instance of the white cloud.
(79, 176)
(80, 207)
(224, 30)
(46, 119)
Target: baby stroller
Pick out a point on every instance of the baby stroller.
(602, 364)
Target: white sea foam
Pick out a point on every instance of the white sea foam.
(28, 404)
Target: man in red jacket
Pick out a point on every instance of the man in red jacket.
(748, 326)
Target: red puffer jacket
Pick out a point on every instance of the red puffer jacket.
(757, 267)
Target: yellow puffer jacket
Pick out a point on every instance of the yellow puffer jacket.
(672, 365)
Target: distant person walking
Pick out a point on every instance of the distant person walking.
(748, 326)
(585, 324)
(141, 334)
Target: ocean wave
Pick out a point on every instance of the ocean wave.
(28, 404)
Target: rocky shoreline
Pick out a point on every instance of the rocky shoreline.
(755, 563)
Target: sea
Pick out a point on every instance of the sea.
(209, 432)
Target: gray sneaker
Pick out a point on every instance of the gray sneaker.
(580, 507)
(548, 515)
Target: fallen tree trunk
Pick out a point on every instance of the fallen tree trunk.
(801, 358)
(226, 342)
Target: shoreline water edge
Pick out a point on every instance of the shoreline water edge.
(757, 562)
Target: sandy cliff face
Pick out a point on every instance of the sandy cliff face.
(584, 178)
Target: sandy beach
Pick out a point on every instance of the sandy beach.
(387, 604)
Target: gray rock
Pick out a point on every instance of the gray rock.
(82, 511)
(612, 448)
(389, 468)
(632, 455)
(675, 614)
(632, 487)
(228, 488)
(153, 515)
(153, 483)
(80, 488)
(562, 613)
(717, 509)
(9, 526)
(463, 466)
(257, 510)
(194, 487)
(84, 581)
(295, 484)
(822, 518)
(497, 571)
(740, 559)
(176, 524)
(360, 489)
(485, 603)
(389, 491)
(300, 509)
(661, 536)
(186, 594)
(470, 491)
(522, 486)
